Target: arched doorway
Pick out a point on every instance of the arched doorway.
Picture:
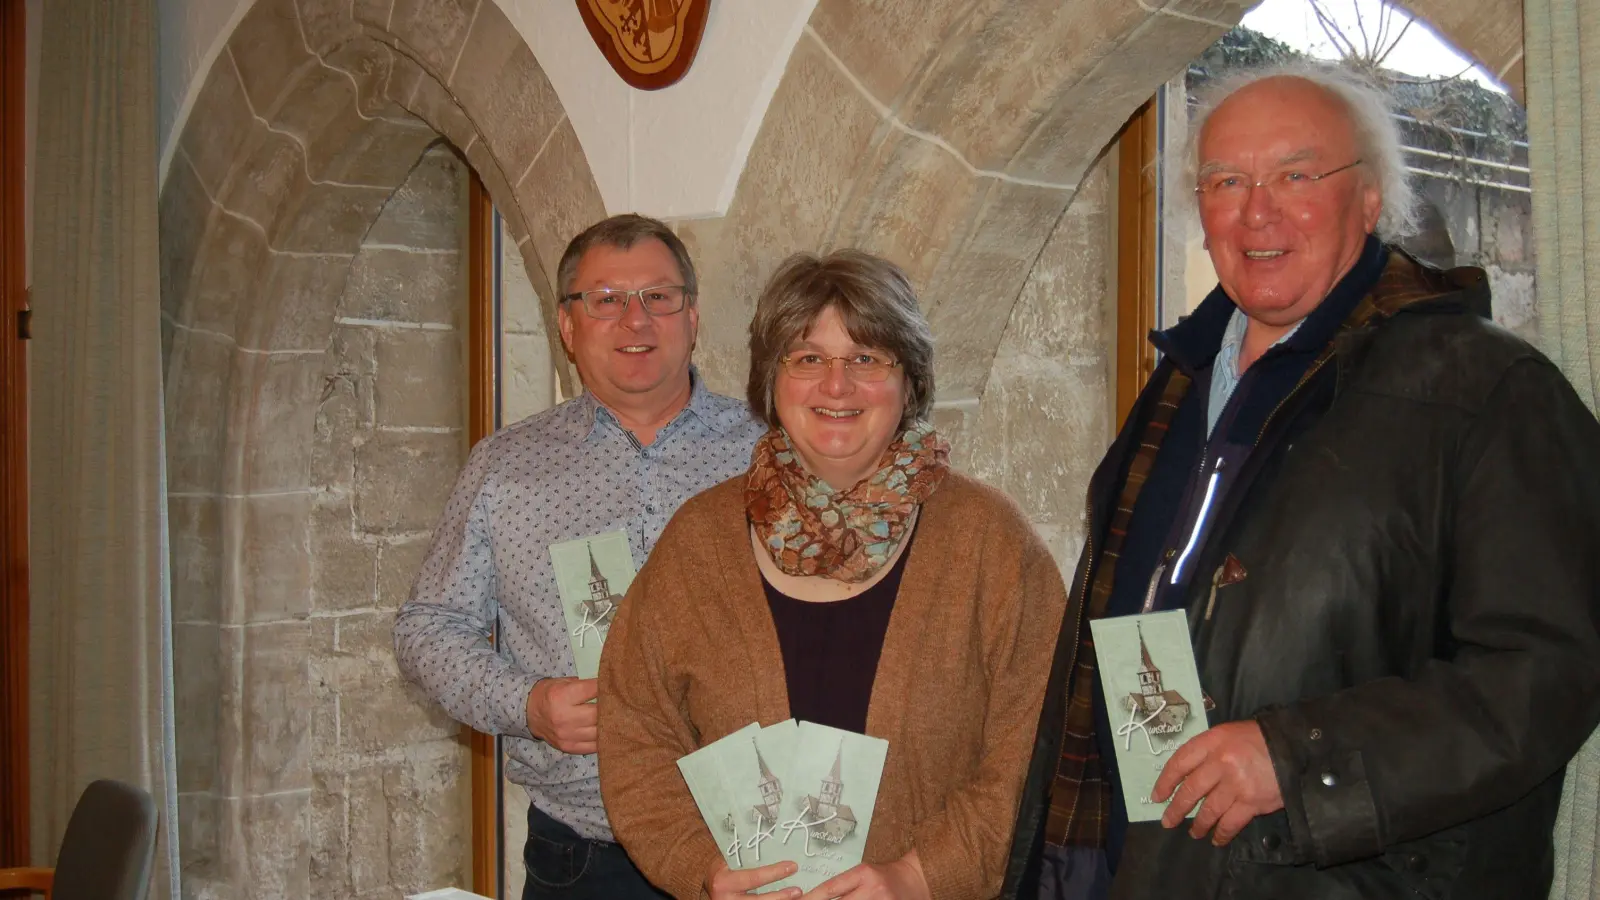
(295, 733)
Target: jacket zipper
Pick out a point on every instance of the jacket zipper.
(1168, 553)
(1077, 638)
(1211, 600)
(1199, 522)
(1154, 586)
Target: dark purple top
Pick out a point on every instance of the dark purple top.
(831, 650)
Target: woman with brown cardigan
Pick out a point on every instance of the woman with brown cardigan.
(850, 578)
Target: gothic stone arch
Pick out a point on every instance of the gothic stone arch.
(313, 114)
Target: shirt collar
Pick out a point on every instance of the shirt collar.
(1194, 342)
(1233, 339)
(702, 405)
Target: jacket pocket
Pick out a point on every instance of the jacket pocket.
(1430, 867)
(1263, 866)
(555, 863)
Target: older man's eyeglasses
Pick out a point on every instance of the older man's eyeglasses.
(1230, 188)
(611, 303)
(860, 367)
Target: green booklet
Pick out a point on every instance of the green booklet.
(592, 575)
(703, 772)
(1153, 698)
(792, 791)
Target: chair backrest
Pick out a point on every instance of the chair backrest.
(109, 845)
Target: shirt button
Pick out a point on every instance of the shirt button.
(1329, 779)
(650, 509)
(1316, 734)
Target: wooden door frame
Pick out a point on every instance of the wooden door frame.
(482, 401)
(1138, 148)
(14, 821)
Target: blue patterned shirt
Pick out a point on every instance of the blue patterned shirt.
(566, 473)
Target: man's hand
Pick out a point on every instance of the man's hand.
(560, 714)
(1229, 768)
(724, 883)
(899, 880)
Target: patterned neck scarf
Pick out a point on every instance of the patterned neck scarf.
(812, 529)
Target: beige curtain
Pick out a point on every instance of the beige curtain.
(1562, 39)
(99, 674)
(1563, 82)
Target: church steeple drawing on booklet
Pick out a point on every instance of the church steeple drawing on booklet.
(827, 807)
(1153, 697)
(766, 812)
(1168, 708)
(601, 604)
(592, 574)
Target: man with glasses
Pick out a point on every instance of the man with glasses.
(605, 469)
(1381, 516)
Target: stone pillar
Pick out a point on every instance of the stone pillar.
(388, 809)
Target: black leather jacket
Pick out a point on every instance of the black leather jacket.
(1417, 632)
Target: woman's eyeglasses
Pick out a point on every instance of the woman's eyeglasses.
(862, 367)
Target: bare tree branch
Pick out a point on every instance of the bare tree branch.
(1396, 43)
(1385, 18)
(1367, 47)
(1341, 42)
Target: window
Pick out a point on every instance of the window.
(1465, 146)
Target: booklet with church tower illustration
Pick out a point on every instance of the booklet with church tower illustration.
(791, 791)
(592, 575)
(1152, 695)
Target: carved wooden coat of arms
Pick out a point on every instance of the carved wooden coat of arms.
(649, 42)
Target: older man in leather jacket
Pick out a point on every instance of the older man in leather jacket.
(1382, 515)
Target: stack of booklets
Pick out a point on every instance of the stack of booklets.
(794, 791)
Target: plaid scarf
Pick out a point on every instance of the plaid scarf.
(1080, 800)
(812, 529)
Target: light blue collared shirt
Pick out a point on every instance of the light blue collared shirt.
(563, 474)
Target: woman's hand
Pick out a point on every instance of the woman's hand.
(724, 883)
(899, 880)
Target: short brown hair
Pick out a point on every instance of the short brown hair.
(622, 232)
(879, 309)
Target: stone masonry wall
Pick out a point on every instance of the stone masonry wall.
(389, 815)
(1043, 421)
(527, 376)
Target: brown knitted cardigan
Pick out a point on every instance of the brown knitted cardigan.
(693, 655)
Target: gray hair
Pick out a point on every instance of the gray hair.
(1368, 107)
(877, 305)
(623, 232)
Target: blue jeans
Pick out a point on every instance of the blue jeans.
(1074, 873)
(564, 866)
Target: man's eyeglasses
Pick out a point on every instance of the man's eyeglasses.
(611, 303)
(861, 367)
(1231, 188)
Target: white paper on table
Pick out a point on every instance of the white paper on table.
(449, 893)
